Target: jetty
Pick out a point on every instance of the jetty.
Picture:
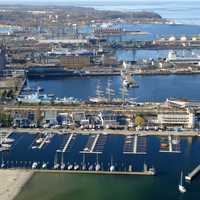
(67, 143)
(193, 173)
(139, 173)
(95, 144)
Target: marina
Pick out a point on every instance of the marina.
(135, 144)
(129, 162)
(68, 139)
(170, 144)
(95, 144)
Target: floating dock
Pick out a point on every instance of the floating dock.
(68, 140)
(135, 144)
(95, 144)
(46, 140)
(170, 144)
(192, 174)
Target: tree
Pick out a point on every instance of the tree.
(139, 121)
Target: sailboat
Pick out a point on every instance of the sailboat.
(83, 163)
(2, 162)
(99, 95)
(56, 164)
(62, 162)
(112, 167)
(98, 166)
(180, 186)
(109, 90)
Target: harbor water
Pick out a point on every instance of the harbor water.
(168, 166)
(151, 88)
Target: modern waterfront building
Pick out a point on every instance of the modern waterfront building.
(177, 119)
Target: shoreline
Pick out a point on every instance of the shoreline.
(13, 182)
(186, 133)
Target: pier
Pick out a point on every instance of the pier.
(95, 144)
(45, 141)
(134, 144)
(123, 173)
(192, 174)
(170, 144)
(67, 143)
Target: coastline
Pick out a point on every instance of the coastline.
(13, 181)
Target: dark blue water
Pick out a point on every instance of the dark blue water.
(21, 154)
(151, 88)
(168, 165)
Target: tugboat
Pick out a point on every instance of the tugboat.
(181, 188)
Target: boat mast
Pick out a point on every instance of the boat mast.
(109, 90)
(55, 159)
(181, 181)
(124, 93)
(99, 92)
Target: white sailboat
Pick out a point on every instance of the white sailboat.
(83, 163)
(62, 166)
(98, 166)
(56, 164)
(180, 186)
(112, 167)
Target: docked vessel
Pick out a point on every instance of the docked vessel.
(62, 166)
(98, 166)
(70, 167)
(112, 167)
(99, 98)
(56, 164)
(44, 165)
(127, 78)
(34, 165)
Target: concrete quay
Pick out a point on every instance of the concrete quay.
(188, 133)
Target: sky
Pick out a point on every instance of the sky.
(90, 1)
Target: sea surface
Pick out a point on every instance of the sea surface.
(74, 187)
(179, 11)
